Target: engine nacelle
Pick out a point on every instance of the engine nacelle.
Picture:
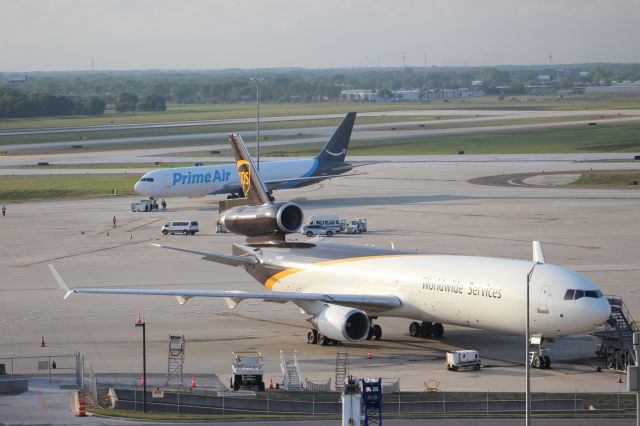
(342, 323)
(268, 219)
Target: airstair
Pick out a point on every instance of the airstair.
(290, 371)
(342, 369)
(372, 401)
(176, 360)
(616, 340)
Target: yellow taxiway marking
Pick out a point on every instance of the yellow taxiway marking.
(45, 407)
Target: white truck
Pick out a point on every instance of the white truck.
(357, 226)
(463, 360)
(246, 371)
(144, 206)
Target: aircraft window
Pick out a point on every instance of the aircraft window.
(579, 295)
(591, 293)
(146, 180)
(569, 295)
(599, 294)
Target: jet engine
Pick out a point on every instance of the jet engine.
(342, 323)
(263, 220)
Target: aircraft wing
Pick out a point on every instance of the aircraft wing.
(226, 259)
(232, 298)
(309, 178)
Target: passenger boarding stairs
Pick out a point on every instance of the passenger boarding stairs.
(342, 369)
(290, 371)
(616, 341)
(372, 401)
(176, 360)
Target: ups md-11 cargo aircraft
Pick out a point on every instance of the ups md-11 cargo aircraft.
(342, 288)
(223, 179)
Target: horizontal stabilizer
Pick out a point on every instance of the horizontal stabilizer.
(226, 259)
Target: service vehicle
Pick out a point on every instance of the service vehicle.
(463, 360)
(147, 205)
(246, 371)
(331, 222)
(311, 230)
(180, 227)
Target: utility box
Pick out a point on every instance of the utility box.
(632, 378)
(463, 360)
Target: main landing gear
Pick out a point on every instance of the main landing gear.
(426, 329)
(375, 332)
(314, 337)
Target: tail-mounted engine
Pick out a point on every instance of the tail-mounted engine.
(267, 220)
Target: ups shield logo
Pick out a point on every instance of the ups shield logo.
(244, 170)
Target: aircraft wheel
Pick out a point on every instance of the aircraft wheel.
(312, 337)
(438, 330)
(370, 334)
(546, 362)
(414, 329)
(323, 340)
(377, 332)
(426, 329)
(536, 362)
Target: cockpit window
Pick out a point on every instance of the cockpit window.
(573, 294)
(146, 179)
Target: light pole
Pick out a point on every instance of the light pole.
(257, 80)
(141, 323)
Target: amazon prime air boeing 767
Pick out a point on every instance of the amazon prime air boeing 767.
(199, 181)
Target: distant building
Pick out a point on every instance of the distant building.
(541, 90)
(358, 95)
(453, 93)
(412, 95)
(616, 87)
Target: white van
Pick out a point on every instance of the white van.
(331, 222)
(180, 227)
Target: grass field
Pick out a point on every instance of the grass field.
(79, 138)
(601, 138)
(222, 111)
(621, 179)
(26, 188)
(112, 165)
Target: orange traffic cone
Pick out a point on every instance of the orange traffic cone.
(139, 321)
(194, 384)
(43, 344)
(271, 384)
(141, 380)
(619, 378)
(369, 356)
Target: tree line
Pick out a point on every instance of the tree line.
(150, 90)
(16, 104)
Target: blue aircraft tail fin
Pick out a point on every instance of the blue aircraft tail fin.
(336, 149)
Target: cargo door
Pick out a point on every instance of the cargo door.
(543, 301)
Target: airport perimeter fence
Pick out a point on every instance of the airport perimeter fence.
(398, 405)
(50, 365)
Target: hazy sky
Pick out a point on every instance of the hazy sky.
(199, 34)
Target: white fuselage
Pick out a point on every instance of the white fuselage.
(199, 181)
(480, 292)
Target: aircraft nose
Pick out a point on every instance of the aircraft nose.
(137, 186)
(602, 311)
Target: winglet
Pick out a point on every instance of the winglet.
(61, 283)
(250, 181)
(538, 254)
